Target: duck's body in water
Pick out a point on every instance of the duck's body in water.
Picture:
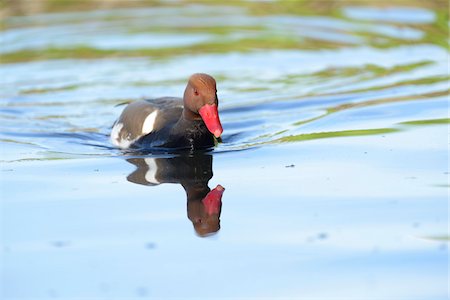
(188, 123)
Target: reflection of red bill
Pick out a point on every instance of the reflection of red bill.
(213, 200)
(210, 116)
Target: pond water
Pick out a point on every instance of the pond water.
(334, 157)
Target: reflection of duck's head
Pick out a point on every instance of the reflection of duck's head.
(204, 213)
(193, 172)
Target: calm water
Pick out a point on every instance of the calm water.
(334, 157)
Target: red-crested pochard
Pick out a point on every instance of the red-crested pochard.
(173, 123)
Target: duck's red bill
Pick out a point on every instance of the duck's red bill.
(213, 200)
(210, 116)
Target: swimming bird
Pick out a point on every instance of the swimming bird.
(173, 123)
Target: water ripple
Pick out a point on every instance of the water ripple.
(345, 85)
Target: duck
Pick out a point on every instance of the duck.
(191, 122)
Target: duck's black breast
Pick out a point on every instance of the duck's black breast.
(184, 134)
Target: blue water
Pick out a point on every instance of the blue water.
(334, 157)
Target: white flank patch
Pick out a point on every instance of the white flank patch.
(149, 123)
(115, 133)
(124, 144)
(115, 137)
(150, 176)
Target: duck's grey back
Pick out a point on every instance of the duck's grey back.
(143, 117)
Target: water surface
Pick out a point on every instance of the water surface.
(334, 156)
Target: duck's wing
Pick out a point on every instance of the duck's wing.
(143, 117)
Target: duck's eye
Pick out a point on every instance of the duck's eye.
(195, 92)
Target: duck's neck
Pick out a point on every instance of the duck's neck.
(196, 191)
(187, 121)
(190, 115)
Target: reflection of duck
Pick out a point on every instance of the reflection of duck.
(193, 172)
(188, 123)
